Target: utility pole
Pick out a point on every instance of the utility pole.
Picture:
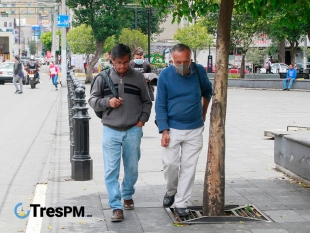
(63, 49)
(19, 32)
(54, 35)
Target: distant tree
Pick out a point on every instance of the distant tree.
(255, 56)
(133, 38)
(105, 17)
(196, 37)
(46, 39)
(33, 47)
(82, 41)
(109, 44)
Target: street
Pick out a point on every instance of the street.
(34, 149)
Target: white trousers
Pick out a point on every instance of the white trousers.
(180, 160)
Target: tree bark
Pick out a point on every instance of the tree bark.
(92, 63)
(242, 66)
(281, 49)
(214, 182)
(294, 45)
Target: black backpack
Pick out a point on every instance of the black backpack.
(106, 81)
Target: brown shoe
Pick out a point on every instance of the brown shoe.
(129, 204)
(117, 216)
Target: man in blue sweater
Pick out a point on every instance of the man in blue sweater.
(183, 95)
(290, 76)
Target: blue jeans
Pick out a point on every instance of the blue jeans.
(54, 80)
(116, 145)
(290, 84)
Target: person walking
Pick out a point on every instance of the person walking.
(54, 71)
(138, 63)
(291, 75)
(18, 75)
(122, 120)
(183, 95)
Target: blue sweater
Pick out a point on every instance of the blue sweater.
(178, 100)
(291, 73)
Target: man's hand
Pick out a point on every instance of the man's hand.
(139, 124)
(115, 103)
(165, 138)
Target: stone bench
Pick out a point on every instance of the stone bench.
(292, 153)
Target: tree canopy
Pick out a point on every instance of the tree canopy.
(133, 38)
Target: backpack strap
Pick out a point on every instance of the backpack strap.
(198, 77)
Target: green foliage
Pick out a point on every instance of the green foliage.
(133, 38)
(307, 50)
(256, 55)
(142, 20)
(105, 17)
(46, 39)
(109, 44)
(32, 47)
(195, 36)
(183, 8)
(81, 40)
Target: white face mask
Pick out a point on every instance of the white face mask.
(138, 61)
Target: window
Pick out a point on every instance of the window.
(5, 24)
(10, 24)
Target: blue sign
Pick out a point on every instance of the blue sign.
(63, 21)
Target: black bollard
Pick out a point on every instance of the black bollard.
(82, 164)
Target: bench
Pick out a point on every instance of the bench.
(299, 75)
(292, 153)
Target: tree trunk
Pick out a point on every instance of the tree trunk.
(214, 183)
(242, 66)
(294, 45)
(195, 55)
(281, 50)
(92, 63)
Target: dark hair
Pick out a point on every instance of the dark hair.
(17, 57)
(180, 48)
(120, 51)
(138, 51)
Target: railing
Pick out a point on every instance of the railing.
(81, 162)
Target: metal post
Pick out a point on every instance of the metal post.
(63, 47)
(149, 33)
(82, 164)
(54, 35)
(136, 18)
(19, 32)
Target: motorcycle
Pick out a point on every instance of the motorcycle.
(33, 78)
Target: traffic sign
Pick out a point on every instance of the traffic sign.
(63, 21)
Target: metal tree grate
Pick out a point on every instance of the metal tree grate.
(232, 213)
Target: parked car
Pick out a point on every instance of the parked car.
(276, 68)
(6, 72)
(231, 69)
(41, 60)
(299, 68)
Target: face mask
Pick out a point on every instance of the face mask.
(182, 69)
(138, 61)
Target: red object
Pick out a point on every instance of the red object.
(231, 69)
(48, 54)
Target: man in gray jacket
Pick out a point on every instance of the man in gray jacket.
(122, 127)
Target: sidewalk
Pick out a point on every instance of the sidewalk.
(250, 177)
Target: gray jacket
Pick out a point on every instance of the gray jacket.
(18, 68)
(136, 105)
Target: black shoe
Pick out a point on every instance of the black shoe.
(288, 89)
(284, 89)
(16, 91)
(20, 92)
(168, 200)
(182, 212)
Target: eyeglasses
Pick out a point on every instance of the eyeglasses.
(121, 63)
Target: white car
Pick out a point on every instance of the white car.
(276, 68)
(6, 72)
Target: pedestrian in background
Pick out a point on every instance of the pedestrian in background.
(183, 95)
(18, 75)
(85, 66)
(54, 71)
(123, 118)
